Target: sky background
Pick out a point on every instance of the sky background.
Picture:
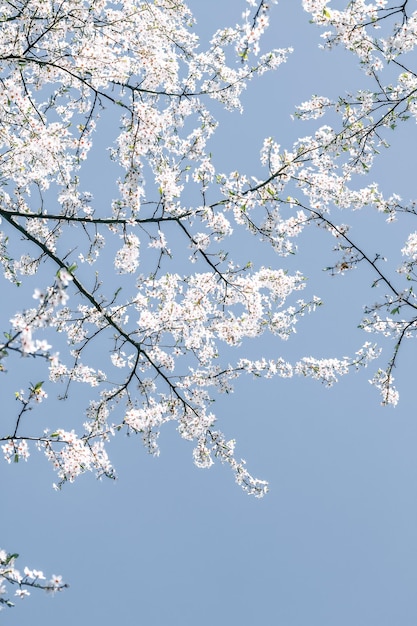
(334, 543)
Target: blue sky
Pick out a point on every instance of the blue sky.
(334, 542)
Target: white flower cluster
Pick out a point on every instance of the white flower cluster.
(75, 456)
(30, 579)
(158, 347)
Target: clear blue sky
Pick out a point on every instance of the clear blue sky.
(335, 541)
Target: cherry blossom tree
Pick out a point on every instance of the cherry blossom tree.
(145, 298)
